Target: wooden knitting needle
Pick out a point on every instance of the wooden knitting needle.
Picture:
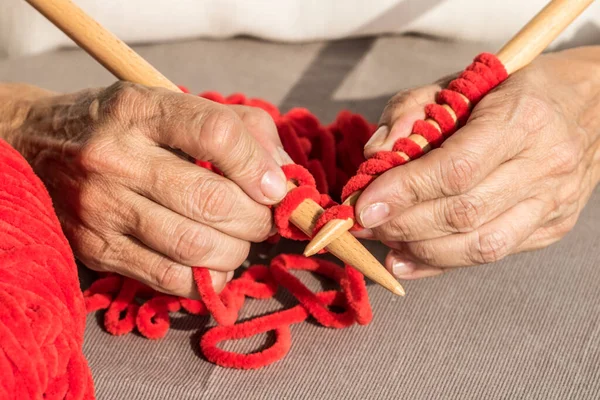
(127, 65)
(516, 54)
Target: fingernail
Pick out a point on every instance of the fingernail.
(374, 215)
(401, 267)
(378, 137)
(284, 156)
(364, 234)
(273, 185)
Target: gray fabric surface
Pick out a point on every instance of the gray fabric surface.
(527, 327)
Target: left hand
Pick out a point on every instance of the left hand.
(514, 178)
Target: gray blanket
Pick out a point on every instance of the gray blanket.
(526, 327)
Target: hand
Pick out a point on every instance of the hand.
(127, 199)
(514, 178)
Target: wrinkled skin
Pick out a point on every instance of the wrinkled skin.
(114, 161)
(514, 179)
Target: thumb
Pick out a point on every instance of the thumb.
(262, 127)
(399, 116)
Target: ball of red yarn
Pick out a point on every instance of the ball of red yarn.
(42, 313)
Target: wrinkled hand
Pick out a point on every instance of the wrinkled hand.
(130, 203)
(514, 179)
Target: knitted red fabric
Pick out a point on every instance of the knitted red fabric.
(42, 313)
(484, 74)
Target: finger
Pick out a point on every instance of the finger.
(491, 242)
(399, 116)
(548, 234)
(363, 234)
(212, 132)
(129, 257)
(183, 240)
(262, 127)
(139, 262)
(402, 268)
(462, 162)
(500, 191)
(202, 196)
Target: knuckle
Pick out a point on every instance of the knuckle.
(532, 112)
(564, 158)
(213, 201)
(463, 213)
(397, 229)
(221, 131)
(263, 223)
(490, 247)
(410, 97)
(258, 118)
(424, 251)
(457, 175)
(121, 99)
(567, 225)
(191, 247)
(170, 277)
(97, 155)
(238, 255)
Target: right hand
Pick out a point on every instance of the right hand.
(128, 203)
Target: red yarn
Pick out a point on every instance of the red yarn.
(259, 282)
(408, 147)
(42, 313)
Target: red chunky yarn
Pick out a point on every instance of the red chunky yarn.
(42, 314)
(116, 294)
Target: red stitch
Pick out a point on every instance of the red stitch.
(495, 64)
(374, 166)
(392, 157)
(429, 132)
(408, 147)
(466, 88)
(287, 206)
(456, 103)
(299, 175)
(443, 118)
(356, 183)
(336, 212)
(485, 72)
